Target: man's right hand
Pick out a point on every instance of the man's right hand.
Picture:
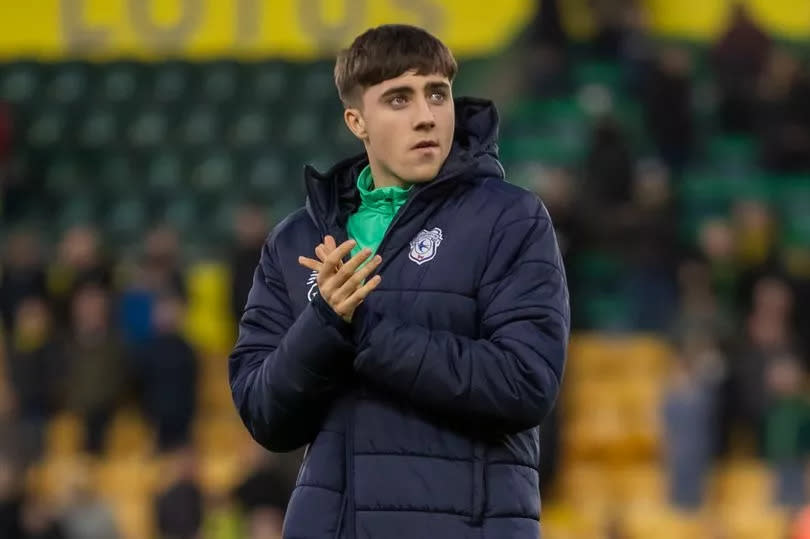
(343, 286)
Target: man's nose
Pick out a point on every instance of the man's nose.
(424, 117)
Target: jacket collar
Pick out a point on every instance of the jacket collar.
(333, 196)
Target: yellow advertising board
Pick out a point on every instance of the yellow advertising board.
(305, 29)
(242, 28)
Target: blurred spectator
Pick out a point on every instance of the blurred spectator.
(699, 309)
(646, 230)
(738, 57)
(35, 368)
(784, 113)
(11, 499)
(23, 273)
(689, 419)
(547, 62)
(264, 487)
(615, 21)
(609, 168)
(557, 188)
(96, 361)
(251, 229)
(78, 262)
(86, 515)
(769, 336)
(40, 520)
(786, 428)
(716, 244)
(264, 523)
(168, 372)
(179, 508)
(668, 107)
(157, 272)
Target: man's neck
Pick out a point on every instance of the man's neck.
(384, 178)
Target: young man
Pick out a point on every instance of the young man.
(410, 324)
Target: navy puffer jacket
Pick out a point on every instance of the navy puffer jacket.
(421, 417)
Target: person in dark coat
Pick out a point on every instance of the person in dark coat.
(418, 377)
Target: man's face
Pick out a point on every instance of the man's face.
(406, 124)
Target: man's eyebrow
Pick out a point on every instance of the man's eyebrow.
(397, 90)
(440, 84)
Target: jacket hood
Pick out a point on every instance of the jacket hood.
(333, 195)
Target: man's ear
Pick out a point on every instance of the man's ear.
(355, 122)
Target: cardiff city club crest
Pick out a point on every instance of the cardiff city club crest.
(425, 245)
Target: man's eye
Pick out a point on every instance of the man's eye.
(398, 100)
(437, 97)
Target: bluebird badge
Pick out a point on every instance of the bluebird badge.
(425, 245)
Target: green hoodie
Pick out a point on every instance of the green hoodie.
(378, 206)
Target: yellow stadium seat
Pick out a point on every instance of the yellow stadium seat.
(746, 483)
(564, 522)
(126, 477)
(661, 522)
(754, 523)
(219, 474)
(129, 435)
(135, 517)
(641, 485)
(64, 435)
(222, 434)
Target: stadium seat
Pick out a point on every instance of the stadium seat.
(267, 82)
(68, 84)
(135, 517)
(742, 484)
(164, 171)
(119, 83)
(47, 128)
(20, 82)
(200, 127)
(220, 82)
(250, 129)
(129, 436)
(149, 129)
(172, 83)
(64, 435)
(214, 173)
(99, 129)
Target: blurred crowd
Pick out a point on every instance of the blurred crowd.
(732, 302)
(89, 332)
(88, 335)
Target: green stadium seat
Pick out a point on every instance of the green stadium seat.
(20, 82)
(302, 129)
(47, 129)
(220, 82)
(602, 72)
(69, 83)
(267, 82)
(214, 173)
(119, 82)
(182, 213)
(116, 174)
(172, 82)
(200, 127)
(266, 174)
(149, 129)
(125, 219)
(164, 172)
(99, 129)
(250, 129)
(64, 176)
(315, 83)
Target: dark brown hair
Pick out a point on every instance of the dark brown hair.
(386, 52)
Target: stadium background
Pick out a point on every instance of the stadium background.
(146, 147)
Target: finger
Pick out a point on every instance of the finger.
(310, 263)
(329, 246)
(345, 273)
(321, 252)
(332, 263)
(356, 280)
(350, 304)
